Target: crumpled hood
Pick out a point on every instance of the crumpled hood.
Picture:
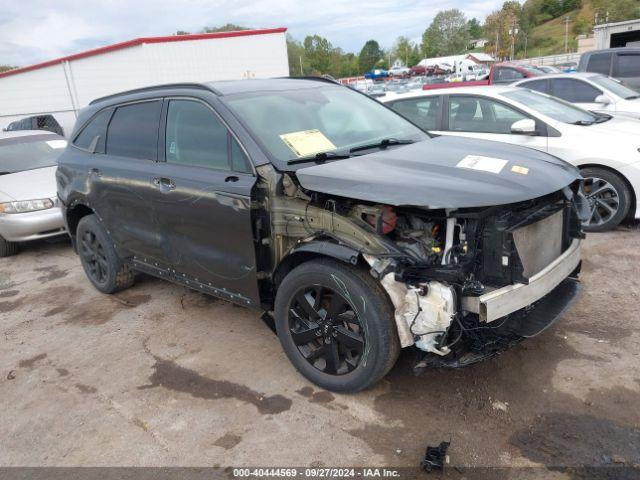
(430, 174)
(28, 185)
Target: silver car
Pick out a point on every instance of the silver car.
(28, 201)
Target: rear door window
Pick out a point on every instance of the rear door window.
(424, 112)
(196, 137)
(627, 65)
(599, 63)
(97, 127)
(133, 131)
(574, 91)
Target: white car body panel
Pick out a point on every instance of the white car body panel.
(619, 106)
(614, 144)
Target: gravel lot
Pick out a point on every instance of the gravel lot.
(162, 376)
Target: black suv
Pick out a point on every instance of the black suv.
(354, 230)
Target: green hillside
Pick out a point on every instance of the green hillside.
(548, 38)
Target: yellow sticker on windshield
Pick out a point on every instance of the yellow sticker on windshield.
(307, 142)
(519, 169)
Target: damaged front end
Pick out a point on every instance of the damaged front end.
(466, 283)
(493, 277)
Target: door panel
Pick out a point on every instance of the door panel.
(205, 203)
(121, 179)
(124, 199)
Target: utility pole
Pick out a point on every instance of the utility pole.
(497, 40)
(566, 34)
(513, 32)
(301, 72)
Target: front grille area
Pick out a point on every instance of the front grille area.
(519, 243)
(539, 243)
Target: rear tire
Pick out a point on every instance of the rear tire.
(609, 199)
(104, 268)
(7, 248)
(336, 325)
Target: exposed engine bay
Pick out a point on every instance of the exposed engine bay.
(449, 273)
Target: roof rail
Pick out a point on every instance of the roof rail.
(324, 78)
(199, 86)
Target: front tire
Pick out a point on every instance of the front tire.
(104, 268)
(7, 248)
(336, 325)
(609, 199)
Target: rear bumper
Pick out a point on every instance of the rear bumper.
(503, 301)
(23, 227)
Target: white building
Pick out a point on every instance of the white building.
(619, 34)
(61, 87)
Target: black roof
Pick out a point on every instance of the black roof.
(231, 87)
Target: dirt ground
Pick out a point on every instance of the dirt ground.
(163, 376)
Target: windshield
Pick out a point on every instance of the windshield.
(27, 153)
(615, 87)
(296, 124)
(552, 107)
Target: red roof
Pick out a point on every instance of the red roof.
(140, 41)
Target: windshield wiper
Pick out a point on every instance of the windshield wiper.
(632, 97)
(382, 144)
(320, 157)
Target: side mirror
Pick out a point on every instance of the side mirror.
(526, 126)
(603, 100)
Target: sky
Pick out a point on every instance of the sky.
(33, 31)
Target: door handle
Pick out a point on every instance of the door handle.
(231, 178)
(95, 172)
(164, 184)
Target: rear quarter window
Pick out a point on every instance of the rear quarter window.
(537, 85)
(97, 127)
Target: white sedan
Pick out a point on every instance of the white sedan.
(399, 71)
(605, 148)
(591, 91)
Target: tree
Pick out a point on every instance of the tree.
(317, 51)
(370, 54)
(229, 27)
(296, 55)
(406, 51)
(499, 28)
(447, 35)
(475, 29)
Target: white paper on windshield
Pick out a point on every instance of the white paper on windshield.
(57, 143)
(485, 164)
(307, 142)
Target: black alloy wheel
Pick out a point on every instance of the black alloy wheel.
(94, 257)
(326, 330)
(102, 265)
